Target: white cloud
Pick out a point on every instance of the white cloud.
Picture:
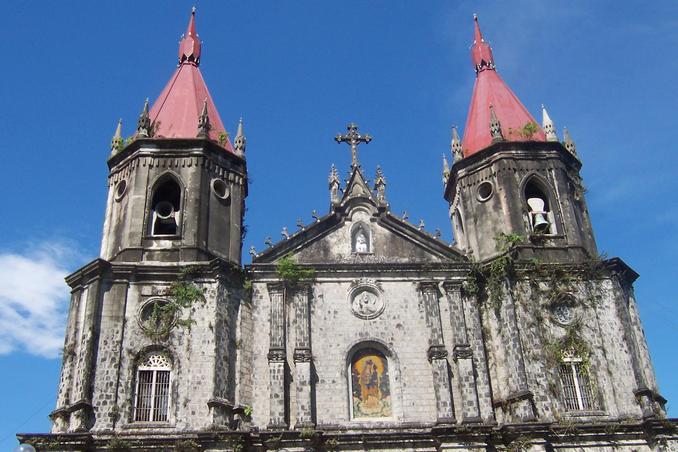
(34, 299)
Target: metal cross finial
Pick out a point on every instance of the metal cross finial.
(353, 139)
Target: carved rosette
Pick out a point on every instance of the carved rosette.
(366, 298)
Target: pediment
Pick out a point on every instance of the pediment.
(388, 240)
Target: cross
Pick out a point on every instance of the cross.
(353, 138)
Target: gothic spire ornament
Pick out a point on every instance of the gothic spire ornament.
(446, 170)
(495, 127)
(547, 125)
(204, 122)
(144, 122)
(569, 142)
(333, 182)
(117, 140)
(456, 145)
(380, 186)
(240, 140)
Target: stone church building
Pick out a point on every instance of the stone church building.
(359, 331)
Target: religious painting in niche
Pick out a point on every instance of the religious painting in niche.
(361, 240)
(371, 392)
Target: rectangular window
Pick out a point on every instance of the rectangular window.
(152, 398)
(576, 384)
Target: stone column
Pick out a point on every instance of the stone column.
(437, 353)
(302, 359)
(276, 356)
(81, 409)
(463, 355)
(520, 398)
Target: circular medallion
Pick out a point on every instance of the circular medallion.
(365, 297)
(563, 314)
(366, 303)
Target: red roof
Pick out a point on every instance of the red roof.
(490, 89)
(176, 111)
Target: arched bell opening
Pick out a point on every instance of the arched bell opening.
(539, 207)
(165, 214)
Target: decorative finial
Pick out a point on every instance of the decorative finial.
(380, 186)
(421, 225)
(446, 170)
(456, 145)
(547, 125)
(204, 125)
(144, 122)
(353, 139)
(314, 215)
(333, 182)
(253, 251)
(405, 216)
(189, 45)
(117, 142)
(284, 233)
(481, 52)
(300, 224)
(569, 142)
(268, 242)
(437, 234)
(495, 127)
(240, 140)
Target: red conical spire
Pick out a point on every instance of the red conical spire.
(490, 90)
(189, 46)
(481, 52)
(177, 111)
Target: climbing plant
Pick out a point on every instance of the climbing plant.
(291, 273)
(167, 313)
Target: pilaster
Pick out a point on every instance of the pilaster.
(276, 357)
(462, 354)
(437, 353)
(303, 358)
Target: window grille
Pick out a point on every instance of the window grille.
(153, 390)
(576, 384)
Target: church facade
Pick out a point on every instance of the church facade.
(359, 331)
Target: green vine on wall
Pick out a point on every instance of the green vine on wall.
(291, 273)
(487, 282)
(167, 313)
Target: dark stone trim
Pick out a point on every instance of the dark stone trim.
(302, 355)
(436, 352)
(375, 437)
(462, 351)
(276, 355)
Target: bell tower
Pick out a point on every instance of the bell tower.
(513, 176)
(151, 331)
(517, 207)
(177, 186)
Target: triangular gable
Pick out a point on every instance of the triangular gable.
(392, 240)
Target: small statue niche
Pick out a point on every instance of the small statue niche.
(361, 240)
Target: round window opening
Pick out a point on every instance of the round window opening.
(485, 191)
(120, 190)
(156, 318)
(220, 189)
(563, 313)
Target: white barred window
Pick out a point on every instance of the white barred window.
(152, 397)
(576, 383)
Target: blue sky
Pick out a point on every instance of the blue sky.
(298, 72)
